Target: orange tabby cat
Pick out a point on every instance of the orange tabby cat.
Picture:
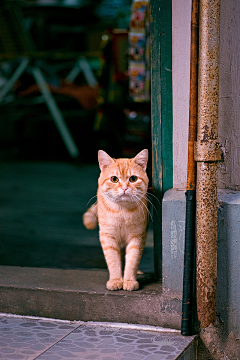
(122, 214)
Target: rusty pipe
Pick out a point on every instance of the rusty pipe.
(188, 298)
(207, 153)
(193, 99)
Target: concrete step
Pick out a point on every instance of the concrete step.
(29, 338)
(82, 295)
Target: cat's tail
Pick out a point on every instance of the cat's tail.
(90, 219)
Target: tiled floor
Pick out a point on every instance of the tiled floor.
(32, 338)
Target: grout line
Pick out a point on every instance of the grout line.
(55, 342)
(78, 323)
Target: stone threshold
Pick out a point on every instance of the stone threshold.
(81, 295)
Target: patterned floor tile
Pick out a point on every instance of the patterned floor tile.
(102, 343)
(30, 338)
(24, 338)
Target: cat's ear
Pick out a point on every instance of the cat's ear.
(142, 159)
(104, 160)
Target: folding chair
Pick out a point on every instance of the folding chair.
(16, 44)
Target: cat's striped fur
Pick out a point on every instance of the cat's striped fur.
(122, 214)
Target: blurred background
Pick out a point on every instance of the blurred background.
(74, 78)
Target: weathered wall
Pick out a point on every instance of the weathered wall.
(229, 94)
(228, 264)
(181, 19)
(229, 170)
(228, 284)
(173, 236)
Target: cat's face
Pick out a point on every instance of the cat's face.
(123, 180)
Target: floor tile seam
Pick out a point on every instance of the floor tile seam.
(59, 340)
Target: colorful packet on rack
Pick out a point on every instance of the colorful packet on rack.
(139, 9)
(136, 46)
(137, 81)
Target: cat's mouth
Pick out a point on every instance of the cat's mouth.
(125, 197)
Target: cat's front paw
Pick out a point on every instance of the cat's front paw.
(115, 284)
(130, 285)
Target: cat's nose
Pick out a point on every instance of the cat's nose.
(124, 189)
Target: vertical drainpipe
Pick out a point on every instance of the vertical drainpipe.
(189, 293)
(207, 153)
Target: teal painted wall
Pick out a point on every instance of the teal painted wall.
(162, 114)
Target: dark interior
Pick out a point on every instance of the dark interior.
(43, 190)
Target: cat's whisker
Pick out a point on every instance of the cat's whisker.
(147, 210)
(154, 197)
(103, 201)
(95, 206)
(145, 207)
(138, 203)
(146, 197)
(91, 199)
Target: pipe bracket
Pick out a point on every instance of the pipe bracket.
(207, 151)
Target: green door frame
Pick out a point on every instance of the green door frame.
(161, 114)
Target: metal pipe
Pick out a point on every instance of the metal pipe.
(193, 100)
(189, 268)
(189, 253)
(207, 153)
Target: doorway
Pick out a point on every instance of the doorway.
(44, 191)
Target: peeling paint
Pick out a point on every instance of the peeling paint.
(173, 240)
(177, 238)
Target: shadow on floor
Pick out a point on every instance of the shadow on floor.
(41, 205)
(55, 255)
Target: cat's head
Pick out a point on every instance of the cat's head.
(123, 180)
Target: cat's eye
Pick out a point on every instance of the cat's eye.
(133, 178)
(114, 179)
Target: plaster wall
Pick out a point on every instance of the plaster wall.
(181, 22)
(229, 95)
(229, 92)
(229, 170)
(228, 263)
